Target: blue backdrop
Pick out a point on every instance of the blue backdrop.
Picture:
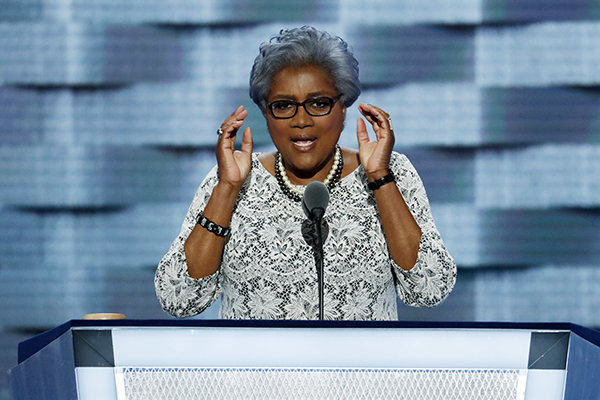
(108, 110)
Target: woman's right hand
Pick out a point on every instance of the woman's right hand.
(234, 165)
(203, 249)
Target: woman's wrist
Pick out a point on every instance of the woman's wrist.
(377, 174)
(226, 193)
(220, 206)
(384, 180)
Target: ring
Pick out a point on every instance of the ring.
(219, 131)
(391, 125)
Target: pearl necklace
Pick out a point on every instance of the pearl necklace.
(295, 192)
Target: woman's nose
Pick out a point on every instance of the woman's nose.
(302, 119)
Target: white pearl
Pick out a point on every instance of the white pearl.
(298, 189)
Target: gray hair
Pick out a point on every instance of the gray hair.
(305, 46)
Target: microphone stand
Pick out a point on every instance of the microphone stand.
(314, 203)
(318, 214)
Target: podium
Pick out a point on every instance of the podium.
(224, 359)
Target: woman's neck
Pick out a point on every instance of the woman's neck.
(351, 162)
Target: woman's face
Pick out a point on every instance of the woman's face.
(306, 143)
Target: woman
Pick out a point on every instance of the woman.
(243, 234)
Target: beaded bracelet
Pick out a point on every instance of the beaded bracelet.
(212, 227)
(382, 181)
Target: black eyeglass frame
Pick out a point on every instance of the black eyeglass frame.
(303, 104)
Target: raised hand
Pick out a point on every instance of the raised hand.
(375, 154)
(234, 165)
(204, 249)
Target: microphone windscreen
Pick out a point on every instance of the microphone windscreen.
(315, 196)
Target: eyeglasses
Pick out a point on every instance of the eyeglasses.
(316, 107)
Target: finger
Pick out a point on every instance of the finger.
(361, 132)
(372, 116)
(365, 110)
(370, 108)
(233, 122)
(381, 120)
(384, 119)
(375, 112)
(238, 110)
(226, 141)
(234, 127)
(239, 113)
(247, 142)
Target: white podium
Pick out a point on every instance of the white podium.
(198, 359)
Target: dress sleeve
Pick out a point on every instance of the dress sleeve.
(433, 276)
(179, 294)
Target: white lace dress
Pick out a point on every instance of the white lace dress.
(268, 269)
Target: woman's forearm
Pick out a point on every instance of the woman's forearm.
(402, 233)
(204, 249)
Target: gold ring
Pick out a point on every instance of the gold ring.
(391, 125)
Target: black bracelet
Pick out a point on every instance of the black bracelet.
(212, 227)
(382, 181)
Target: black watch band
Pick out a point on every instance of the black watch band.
(390, 177)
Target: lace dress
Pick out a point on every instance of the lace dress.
(268, 268)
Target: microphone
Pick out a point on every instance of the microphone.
(315, 200)
(314, 203)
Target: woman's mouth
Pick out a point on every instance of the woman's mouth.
(303, 143)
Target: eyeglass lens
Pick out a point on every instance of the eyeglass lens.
(288, 108)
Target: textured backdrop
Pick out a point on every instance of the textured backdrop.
(108, 110)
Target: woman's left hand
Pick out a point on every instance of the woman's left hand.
(375, 155)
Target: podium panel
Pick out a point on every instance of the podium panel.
(131, 360)
(322, 383)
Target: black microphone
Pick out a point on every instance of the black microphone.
(315, 200)
(314, 203)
